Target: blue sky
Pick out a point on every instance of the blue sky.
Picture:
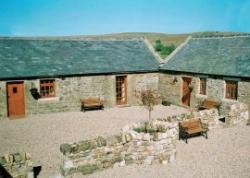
(88, 17)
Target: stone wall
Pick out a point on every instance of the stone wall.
(128, 147)
(238, 114)
(172, 91)
(210, 118)
(3, 102)
(17, 165)
(70, 90)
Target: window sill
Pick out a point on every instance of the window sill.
(56, 98)
(227, 100)
(201, 96)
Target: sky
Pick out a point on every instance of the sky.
(92, 17)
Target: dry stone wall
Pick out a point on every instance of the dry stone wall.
(238, 114)
(128, 147)
(17, 165)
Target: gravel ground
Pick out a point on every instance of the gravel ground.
(41, 135)
(226, 154)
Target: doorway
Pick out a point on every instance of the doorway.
(15, 99)
(121, 90)
(186, 91)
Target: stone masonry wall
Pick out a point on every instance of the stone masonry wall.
(172, 92)
(169, 90)
(122, 149)
(70, 90)
(3, 102)
(17, 165)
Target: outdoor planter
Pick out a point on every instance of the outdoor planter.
(134, 145)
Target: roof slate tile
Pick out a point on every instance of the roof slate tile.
(227, 56)
(20, 58)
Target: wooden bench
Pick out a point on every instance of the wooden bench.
(191, 127)
(209, 104)
(91, 103)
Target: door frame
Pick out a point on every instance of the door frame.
(126, 89)
(182, 94)
(23, 100)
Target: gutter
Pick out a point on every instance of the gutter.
(77, 75)
(221, 76)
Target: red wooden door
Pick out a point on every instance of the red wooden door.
(121, 90)
(15, 99)
(186, 93)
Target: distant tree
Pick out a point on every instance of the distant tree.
(164, 49)
(158, 45)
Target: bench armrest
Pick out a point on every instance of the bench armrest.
(184, 129)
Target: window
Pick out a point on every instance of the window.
(121, 90)
(203, 86)
(14, 89)
(47, 88)
(231, 90)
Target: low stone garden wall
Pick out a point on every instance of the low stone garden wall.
(128, 147)
(238, 114)
(209, 118)
(134, 145)
(17, 165)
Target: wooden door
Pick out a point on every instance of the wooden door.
(121, 90)
(15, 99)
(186, 92)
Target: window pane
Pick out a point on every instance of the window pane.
(231, 89)
(47, 88)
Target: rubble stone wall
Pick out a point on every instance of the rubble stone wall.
(128, 147)
(170, 88)
(70, 90)
(17, 165)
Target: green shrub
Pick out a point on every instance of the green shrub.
(166, 103)
(150, 130)
(143, 129)
(164, 50)
(158, 45)
(140, 129)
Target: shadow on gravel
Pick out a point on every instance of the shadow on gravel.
(4, 173)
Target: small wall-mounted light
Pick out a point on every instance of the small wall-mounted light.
(174, 81)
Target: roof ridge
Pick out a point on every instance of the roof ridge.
(65, 39)
(221, 37)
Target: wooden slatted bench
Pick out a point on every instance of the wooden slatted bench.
(191, 127)
(91, 103)
(209, 104)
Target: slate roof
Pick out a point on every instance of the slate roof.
(223, 56)
(24, 58)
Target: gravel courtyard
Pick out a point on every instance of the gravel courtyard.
(225, 154)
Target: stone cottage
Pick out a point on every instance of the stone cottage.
(215, 68)
(52, 75)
